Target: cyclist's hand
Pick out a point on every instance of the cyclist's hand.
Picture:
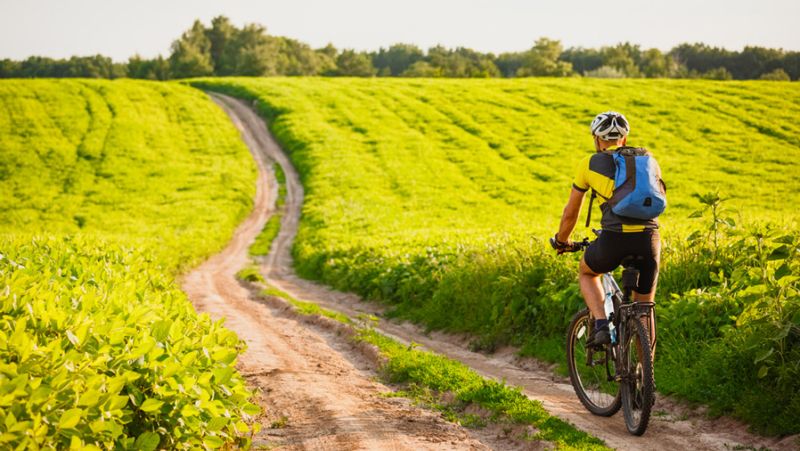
(561, 246)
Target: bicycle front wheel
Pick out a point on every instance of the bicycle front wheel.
(591, 371)
(638, 384)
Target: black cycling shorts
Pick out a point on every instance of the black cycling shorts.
(610, 248)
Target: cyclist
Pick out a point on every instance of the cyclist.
(620, 237)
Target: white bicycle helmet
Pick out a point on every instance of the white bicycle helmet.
(610, 125)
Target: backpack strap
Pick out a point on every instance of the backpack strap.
(630, 167)
(589, 213)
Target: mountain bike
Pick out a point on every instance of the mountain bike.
(619, 374)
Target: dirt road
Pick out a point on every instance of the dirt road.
(319, 393)
(291, 352)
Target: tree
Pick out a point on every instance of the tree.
(255, 52)
(605, 72)
(791, 63)
(397, 58)
(297, 58)
(154, 69)
(327, 59)
(720, 73)
(350, 63)
(752, 62)
(582, 60)
(422, 69)
(220, 37)
(461, 62)
(776, 75)
(623, 57)
(9, 68)
(701, 58)
(654, 64)
(509, 63)
(543, 60)
(191, 54)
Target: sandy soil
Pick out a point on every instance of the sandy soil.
(332, 403)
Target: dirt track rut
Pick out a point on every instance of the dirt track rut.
(292, 354)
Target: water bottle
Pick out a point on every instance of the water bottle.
(609, 308)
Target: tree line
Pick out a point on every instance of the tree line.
(224, 49)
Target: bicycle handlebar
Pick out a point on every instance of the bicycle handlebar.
(575, 246)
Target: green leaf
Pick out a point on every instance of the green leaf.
(73, 338)
(696, 214)
(116, 402)
(786, 239)
(222, 375)
(151, 405)
(70, 418)
(762, 372)
(213, 441)
(780, 253)
(160, 329)
(189, 358)
(241, 427)
(89, 399)
(763, 355)
(189, 411)
(144, 347)
(251, 409)
(217, 423)
(783, 271)
(147, 441)
(225, 355)
(785, 281)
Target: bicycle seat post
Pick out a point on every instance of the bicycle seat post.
(630, 277)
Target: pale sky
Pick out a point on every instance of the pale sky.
(61, 28)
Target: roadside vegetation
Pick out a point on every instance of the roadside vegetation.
(264, 239)
(109, 190)
(437, 197)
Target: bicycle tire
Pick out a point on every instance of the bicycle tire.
(638, 384)
(600, 396)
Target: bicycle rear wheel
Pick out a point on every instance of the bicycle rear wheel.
(589, 369)
(638, 385)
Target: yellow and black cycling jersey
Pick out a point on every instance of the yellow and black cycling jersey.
(597, 172)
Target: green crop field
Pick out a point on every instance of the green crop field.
(108, 191)
(437, 196)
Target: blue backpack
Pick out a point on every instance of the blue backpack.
(639, 190)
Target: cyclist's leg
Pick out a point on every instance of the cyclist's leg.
(600, 257)
(648, 279)
(592, 290)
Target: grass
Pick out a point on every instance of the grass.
(437, 196)
(109, 191)
(263, 241)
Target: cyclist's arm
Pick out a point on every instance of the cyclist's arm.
(570, 216)
(579, 187)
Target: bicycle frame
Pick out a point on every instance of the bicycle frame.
(623, 309)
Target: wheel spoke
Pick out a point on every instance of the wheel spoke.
(637, 388)
(589, 369)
